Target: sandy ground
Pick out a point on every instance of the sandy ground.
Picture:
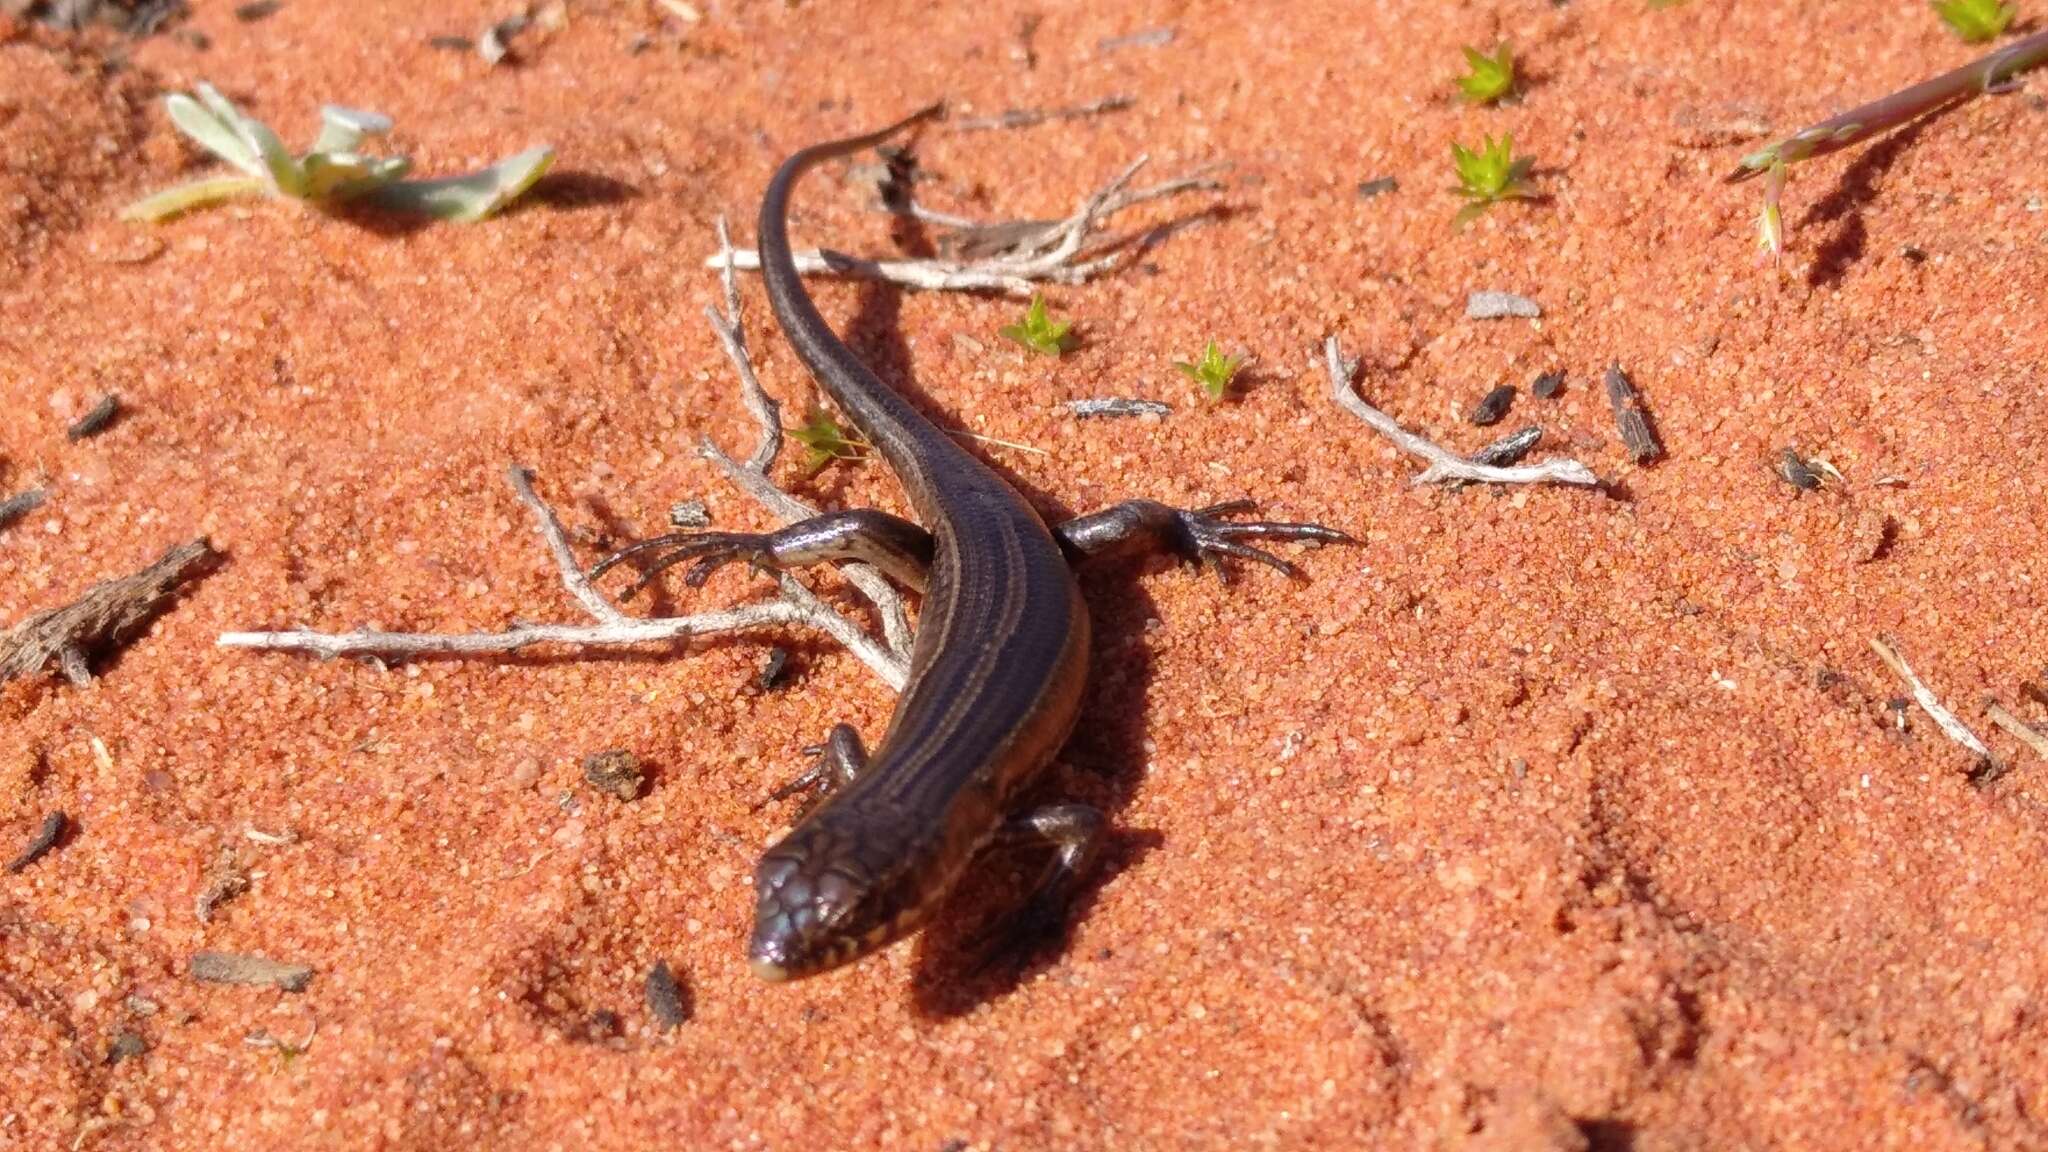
(1542, 819)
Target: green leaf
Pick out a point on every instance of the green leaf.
(1213, 371)
(258, 142)
(207, 130)
(1489, 174)
(1038, 332)
(471, 197)
(346, 175)
(1975, 21)
(335, 169)
(824, 440)
(345, 129)
(281, 166)
(198, 194)
(1489, 77)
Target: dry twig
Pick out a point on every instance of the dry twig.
(109, 615)
(255, 971)
(1117, 406)
(1033, 252)
(1444, 466)
(1924, 696)
(797, 605)
(1032, 117)
(2026, 733)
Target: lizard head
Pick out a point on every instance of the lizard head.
(818, 906)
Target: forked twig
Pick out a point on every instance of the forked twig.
(612, 629)
(1445, 466)
(796, 604)
(1047, 252)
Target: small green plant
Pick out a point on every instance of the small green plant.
(825, 440)
(1213, 371)
(1994, 72)
(1975, 21)
(335, 170)
(1037, 331)
(1490, 174)
(1490, 77)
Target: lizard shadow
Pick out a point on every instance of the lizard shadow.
(1856, 188)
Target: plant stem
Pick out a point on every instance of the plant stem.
(1859, 124)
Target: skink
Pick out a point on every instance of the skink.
(996, 674)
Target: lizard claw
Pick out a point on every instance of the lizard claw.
(710, 550)
(1207, 538)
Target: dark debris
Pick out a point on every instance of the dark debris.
(667, 1000)
(1493, 406)
(1629, 417)
(251, 971)
(615, 771)
(95, 421)
(47, 834)
(110, 614)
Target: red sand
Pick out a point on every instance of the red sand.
(1530, 823)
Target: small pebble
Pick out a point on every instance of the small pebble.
(1368, 189)
(1548, 385)
(689, 514)
(21, 504)
(1500, 305)
(1508, 449)
(126, 1046)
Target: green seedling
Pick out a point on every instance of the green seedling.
(334, 170)
(1037, 331)
(1490, 77)
(1992, 73)
(825, 440)
(1490, 174)
(1213, 371)
(1975, 21)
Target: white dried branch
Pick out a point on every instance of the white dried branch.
(613, 628)
(1048, 254)
(571, 572)
(1929, 703)
(2026, 733)
(732, 333)
(1444, 465)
